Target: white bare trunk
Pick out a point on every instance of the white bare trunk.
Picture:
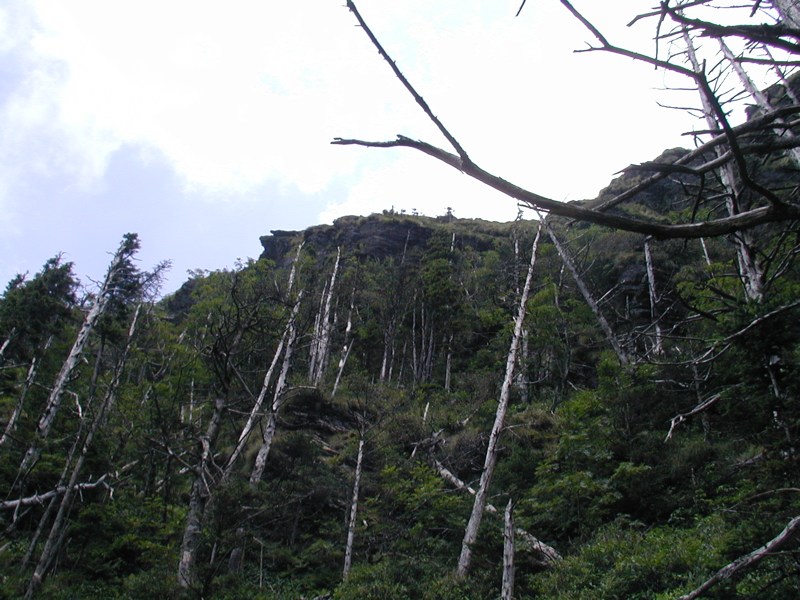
(58, 528)
(7, 341)
(199, 496)
(789, 11)
(760, 98)
(543, 554)
(351, 525)
(255, 412)
(348, 345)
(29, 379)
(54, 400)
(507, 591)
(322, 334)
(471, 532)
(651, 286)
(747, 560)
(277, 400)
(750, 272)
(448, 364)
(622, 356)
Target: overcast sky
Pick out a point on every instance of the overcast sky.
(202, 125)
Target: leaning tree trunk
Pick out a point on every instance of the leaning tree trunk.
(320, 346)
(658, 347)
(26, 386)
(237, 554)
(58, 529)
(622, 356)
(348, 344)
(351, 525)
(255, 412)
(540, 554)
(126, 250)
(479, 505)
(760, 98)
(272, 417)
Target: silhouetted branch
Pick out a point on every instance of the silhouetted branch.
(714, 227)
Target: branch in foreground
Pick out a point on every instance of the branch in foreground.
(711, 228)
(424, 105)
(747, 560)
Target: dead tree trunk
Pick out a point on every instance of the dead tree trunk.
(58, 528)
(199, 496)
(272, 417)
(651, 286)
(760, 98)
(747, 560)
(471, 532)
(750, 272)
(347, 344)
(622, 356)
(29, 379)
(7, 341)
(543, 555)
(507, 591)
(789, 11)
(255, 412)
(351, 525)
(269, 429)
(320, 346)
(127, 249)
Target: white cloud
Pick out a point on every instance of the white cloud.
(245, 96)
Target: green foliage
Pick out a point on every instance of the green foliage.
(583, 454)
(625, 560)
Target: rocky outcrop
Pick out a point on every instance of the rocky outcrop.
(377, 236)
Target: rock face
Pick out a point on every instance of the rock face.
(377, 236)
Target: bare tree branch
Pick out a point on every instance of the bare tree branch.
(747, 560)
(678, 419)
(714, 227)
(351, 5)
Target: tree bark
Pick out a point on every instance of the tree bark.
(479, 505)
(58, 528)
(507, 591)
(199, 496)
(789, 11)
(622, 356)
(351, 526)
(750, 272)
(123, 253)
(29, 379)
(545, 556)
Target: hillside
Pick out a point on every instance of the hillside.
(225, 430)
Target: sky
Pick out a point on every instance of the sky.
(202, 125)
